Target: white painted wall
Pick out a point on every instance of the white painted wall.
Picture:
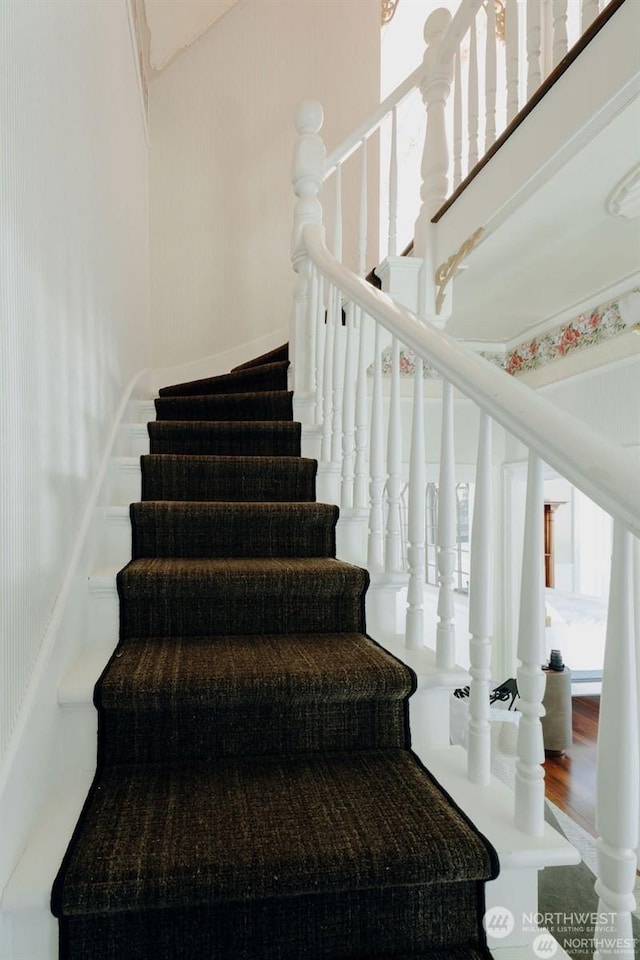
(222, 134)
(73, 307)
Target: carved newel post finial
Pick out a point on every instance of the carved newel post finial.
(309, 159)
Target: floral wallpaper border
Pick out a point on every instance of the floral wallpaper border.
(586, 330)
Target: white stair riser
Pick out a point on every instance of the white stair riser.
(29, 935)
(118, 538)
(125, 481)
(104, 613)
(132, 440)
(80, 732)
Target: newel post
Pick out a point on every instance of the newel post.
(435, 90)
(309, 160)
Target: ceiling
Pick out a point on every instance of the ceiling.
(175, 24)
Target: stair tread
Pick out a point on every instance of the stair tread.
(268, 376)
(266, 405)
(235, 529)
(216, 671)
(241, 577)
(169, 835)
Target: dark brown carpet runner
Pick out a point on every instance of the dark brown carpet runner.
(255, 795)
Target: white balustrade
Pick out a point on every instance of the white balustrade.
(617, 763)
(375, 550)
(457, 121)
(446, 535)
(361, 469)
(349, 413)
(560, 41)
(534, 48)
(529, 788)
(320, 330)
(415, 630)
(338, 358)
(588, 13)
(472, 100)
(491, 80)
(327, 381)
(512, 55)
(393, 543)
(481, 610)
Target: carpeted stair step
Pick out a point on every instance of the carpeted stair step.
(200, 698)
(269, 405)
(272, 356)
(257, 438)
(211, 597)
(179, 477)
(268, 376)
(175, 529)
(326, 856)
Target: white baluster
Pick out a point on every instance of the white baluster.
(560, 43)
(320, 328)
(490, 77)
(617, 763)
(529, 787)
(472, 102)
(393, 543)
(457, 121)
(375, 552)
(349, 414)
(338, 332)
(416, 515)
(589, 12)
(360, 499)
(360, 483)
(312, 320)
(534, 48)
(446, 536)
(435, 157)
(327, 382)
(308, 171)
(393, 186)
(512, 58)
(481, 611)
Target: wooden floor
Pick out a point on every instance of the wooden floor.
(571, 780)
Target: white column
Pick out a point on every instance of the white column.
(534, 47)
(481, 610)
(327, 375)
(512, 58)
(308, 171)
(320, 328)
(375, 551)
(393, 545)
(529, 787)
(617, 763)
(560, 43)
(446, 536)
(416, 515)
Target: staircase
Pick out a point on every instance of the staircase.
(256, 795)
